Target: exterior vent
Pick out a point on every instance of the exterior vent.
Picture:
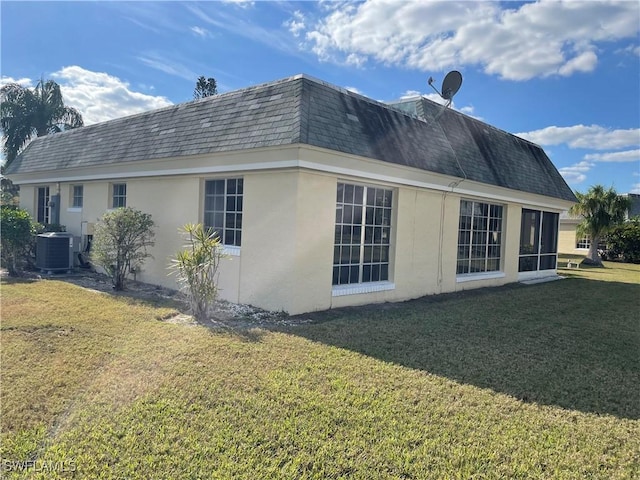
(54, 252)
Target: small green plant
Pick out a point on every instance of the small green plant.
(18, 230)
(120, 243)
(197, 268)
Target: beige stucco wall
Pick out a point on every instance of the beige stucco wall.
(567, 238)
(287, 249)
(285, 262)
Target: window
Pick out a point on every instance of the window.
(223, 209)
(43, 213)
(538, 240)
(77, 192)
(362, 234)
(479, 237)
(584, 242)
(119, 195)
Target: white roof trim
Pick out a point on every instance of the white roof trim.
(467, 188)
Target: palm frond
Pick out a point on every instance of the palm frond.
(25, 113)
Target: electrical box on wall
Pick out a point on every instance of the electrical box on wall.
(87, 228)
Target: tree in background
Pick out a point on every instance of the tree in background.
(8, 191)
(601, 210)
(18, 231)
(25, 113)
(623, 241)
(120, 242)
(197, 268)
(205, 87)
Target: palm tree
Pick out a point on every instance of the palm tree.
(205, 87)
(600, 209)
(26, 113)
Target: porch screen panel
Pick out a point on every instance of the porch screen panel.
(538, 240)
(529, 240)
(549, 241)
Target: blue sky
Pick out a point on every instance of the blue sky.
(565, 75)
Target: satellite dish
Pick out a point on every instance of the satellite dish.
(450, 85)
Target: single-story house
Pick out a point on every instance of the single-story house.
(322, 197)
(569, 241)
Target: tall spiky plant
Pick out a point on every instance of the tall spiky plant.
(197, 268)
(600, 209)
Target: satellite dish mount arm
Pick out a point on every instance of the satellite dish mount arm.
(450, 86)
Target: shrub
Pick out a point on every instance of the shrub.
(18, 230)
(623, 241)
(120, 242)
(197, 268)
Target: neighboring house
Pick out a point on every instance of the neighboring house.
(634, 209)
(568, 239)
(570, 242)
(323, 198)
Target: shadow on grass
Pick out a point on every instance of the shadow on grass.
(570, 343)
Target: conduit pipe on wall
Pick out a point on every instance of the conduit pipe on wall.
(453, 186)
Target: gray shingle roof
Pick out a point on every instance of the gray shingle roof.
(304, 110)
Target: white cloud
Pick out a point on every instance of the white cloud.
(468, 109)
(624, 156)
(635, 188)
(241, 3)
(631, 49)
(516, 43)
(410, 94)
(164, 64)
(25, 82)
(296, 24)
(99, 96)
(576, 173)
(243, 26)
(200, 32)
(593, 137)
(354, 90)
(585, 62)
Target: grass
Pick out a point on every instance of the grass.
(517, 382)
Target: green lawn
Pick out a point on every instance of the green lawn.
(533, 381)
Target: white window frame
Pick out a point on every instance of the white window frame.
(231, 211)
(122, 197)
(584, 242)
(373, 229)
(498, 244)
(73, 207)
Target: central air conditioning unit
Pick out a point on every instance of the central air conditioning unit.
(55, 252)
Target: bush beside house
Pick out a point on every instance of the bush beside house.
(18, 233)
(623, 241)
